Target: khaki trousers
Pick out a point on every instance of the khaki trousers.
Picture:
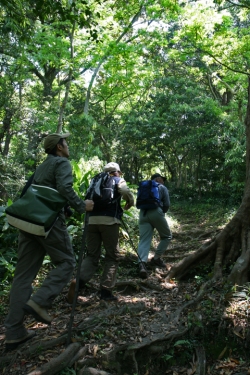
(148, 221)
(109, 236)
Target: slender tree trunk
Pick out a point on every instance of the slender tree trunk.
(86, 104)
(68, 84)
(5, 134)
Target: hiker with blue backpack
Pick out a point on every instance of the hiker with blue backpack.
(106, 189)
(153, 202)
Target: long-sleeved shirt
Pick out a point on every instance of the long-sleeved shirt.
(164, 198)
(56, 172)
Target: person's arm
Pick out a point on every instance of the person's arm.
(64, 184)
(126, 194)
(164, 196)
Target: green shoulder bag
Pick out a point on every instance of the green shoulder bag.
(36, 211)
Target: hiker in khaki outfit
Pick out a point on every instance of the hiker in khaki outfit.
(54, 172)
(104, 223)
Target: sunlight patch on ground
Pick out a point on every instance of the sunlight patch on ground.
(173, 223)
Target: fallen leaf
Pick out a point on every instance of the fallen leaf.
(222, 353)
(235, 361)
(95, 350)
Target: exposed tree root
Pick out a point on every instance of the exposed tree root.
(36, 347)
(124, 357)
(94, 320)
(231, 244)
(139, 284)
(92, 371)
(59, 363)
(175, 317)
(78, 356)
(200, 360)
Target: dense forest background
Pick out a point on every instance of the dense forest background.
(156, 86)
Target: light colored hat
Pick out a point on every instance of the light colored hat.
(51, 141)
(112, 167)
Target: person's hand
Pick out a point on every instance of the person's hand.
(89, 205)
(127, 206)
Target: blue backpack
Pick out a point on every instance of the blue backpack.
(148, 197)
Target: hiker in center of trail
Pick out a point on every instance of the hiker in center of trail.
(106, 190)
(153, 202)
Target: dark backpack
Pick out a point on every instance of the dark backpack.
(102, 190)
(148, 196)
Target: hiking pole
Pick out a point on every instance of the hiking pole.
(130, 240)
(82, 252)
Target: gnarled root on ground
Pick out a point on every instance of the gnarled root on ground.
(59, 363)
(231, 245)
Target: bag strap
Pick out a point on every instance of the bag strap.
(27, 185)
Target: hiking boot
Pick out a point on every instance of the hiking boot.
(38, 312)
(13, 344)
(157, 263)
(107, 295)
(72, 288)
(143, 270)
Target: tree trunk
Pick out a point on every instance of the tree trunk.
(5, 133)
(232, 244)
(68, 83)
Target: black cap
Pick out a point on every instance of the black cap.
(158, 175)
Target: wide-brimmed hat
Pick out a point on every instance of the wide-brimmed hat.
(51, 141)
(158, 175)
(112, 167)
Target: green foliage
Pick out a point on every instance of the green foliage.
(7, 269)
(179, 353)
(75, 222)
(186, 343)
(166, 357)
(8, 253)
(81, 178)
(204, 211)
(12, 180)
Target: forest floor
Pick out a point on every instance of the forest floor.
(155, 328)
